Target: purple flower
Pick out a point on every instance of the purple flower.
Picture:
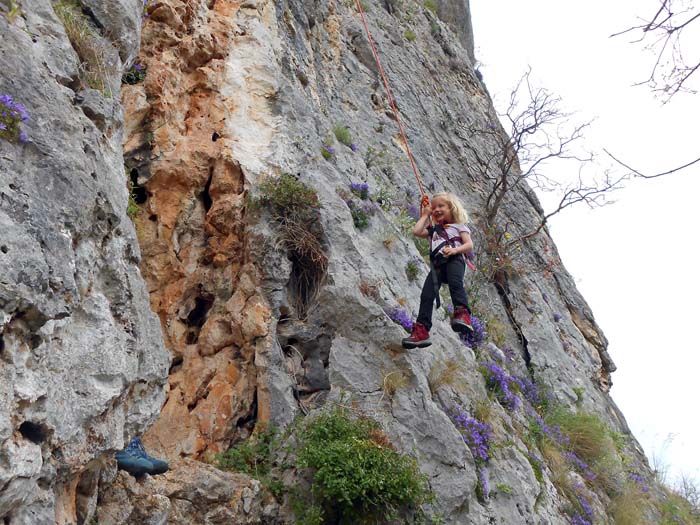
(477, 336)
(566, 344)
(361, 189)
(354, 147)
(412, 211)
(477, 436)
(11, 115)
(401, 317)
(138, 67)
(557, 317)
(498, 382)
(330, 149)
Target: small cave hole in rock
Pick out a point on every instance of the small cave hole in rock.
(3, 249)
(35, 341)
(153, 218)
(204, 195)
(34, 432)
(139, 192)
(197, 317)
(215, 136)
(175, 365)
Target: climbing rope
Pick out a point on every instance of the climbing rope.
(425, 201)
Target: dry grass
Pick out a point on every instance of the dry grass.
(95, 67)
(483, 410)
(393, 381)
(630, 506)
(445, 373)
(370, 288)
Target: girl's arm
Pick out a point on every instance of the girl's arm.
(421, 227)
(466, 247)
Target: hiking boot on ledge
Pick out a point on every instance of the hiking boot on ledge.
(137, 462)
(419, 338)
(462, 322)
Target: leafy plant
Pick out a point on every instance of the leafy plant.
(409, 35)
(430, 5)
(343, 135)
(254, 457)
(327, 151)
(413, 268)
(357, 476)
(132, 208)
(135, 74)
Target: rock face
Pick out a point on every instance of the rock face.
(236, 93)
(82, 361)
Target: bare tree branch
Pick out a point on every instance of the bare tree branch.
(671, 71)
(637, 173)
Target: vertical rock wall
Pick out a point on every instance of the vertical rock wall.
(82, 361)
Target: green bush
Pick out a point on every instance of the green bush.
(342, 133)
(409, 35)
(430, 5)
(288, 198)
(254, 458)
(356, 472)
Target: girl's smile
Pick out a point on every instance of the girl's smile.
(441, 210)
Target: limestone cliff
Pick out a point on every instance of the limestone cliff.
(82, 361)
(235, 93)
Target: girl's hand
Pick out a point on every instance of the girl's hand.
(425, 204)
(448, 251)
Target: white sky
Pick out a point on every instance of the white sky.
(636, 261)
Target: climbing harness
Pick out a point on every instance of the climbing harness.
(438, 260)
(424, 196)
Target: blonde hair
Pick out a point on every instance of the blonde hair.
(459, 214)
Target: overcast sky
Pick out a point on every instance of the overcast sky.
(635, 261)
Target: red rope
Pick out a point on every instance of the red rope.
(424, 197)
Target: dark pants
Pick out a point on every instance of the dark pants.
(451, 273)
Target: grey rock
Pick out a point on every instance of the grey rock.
(82, 361)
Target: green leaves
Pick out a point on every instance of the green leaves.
(355, 469)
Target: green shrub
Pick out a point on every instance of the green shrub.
(356, 472)
(413, 268)
(342, 133)
(409, 35)
(430, 5)
(132, 208)
(254, 458)
(288, 198)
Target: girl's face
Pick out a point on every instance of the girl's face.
(441, 210)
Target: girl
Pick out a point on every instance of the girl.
(449, 243)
